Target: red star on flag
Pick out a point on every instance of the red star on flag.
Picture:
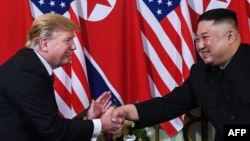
(92, 3)
(207, 2)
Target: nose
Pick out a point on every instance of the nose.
(199, 44)
(73, 46)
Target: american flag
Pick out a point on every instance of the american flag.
(168, 44)
(71, 83)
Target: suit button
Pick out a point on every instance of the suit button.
(228, 97)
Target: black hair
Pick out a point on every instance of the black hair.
(220, 15)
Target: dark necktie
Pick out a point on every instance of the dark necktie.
(52, 78)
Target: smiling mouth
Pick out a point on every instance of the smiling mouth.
(204, 53)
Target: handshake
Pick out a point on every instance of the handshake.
(112, 119)
(111, 123)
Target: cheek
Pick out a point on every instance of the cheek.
(212, 45)
(58, 55)
(209, 42)
(215, 45)
(60, 50)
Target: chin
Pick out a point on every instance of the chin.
(207, 62)
(67, 60)
(65, 63)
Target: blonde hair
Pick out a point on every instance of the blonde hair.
(45, 25)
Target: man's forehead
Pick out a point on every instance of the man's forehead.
(205, 27)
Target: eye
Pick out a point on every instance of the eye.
(68, 41)
(204, 37)
(197, 39)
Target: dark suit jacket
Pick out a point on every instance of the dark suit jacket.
(28, 110)
(223, 95)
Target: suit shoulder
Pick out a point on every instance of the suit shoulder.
(246, 48)
(199, 65)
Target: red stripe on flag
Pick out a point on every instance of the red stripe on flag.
(164, 57)
(186, 33)
(62, 91)
(162, 88)
(79, 70)
(76, 103)
(175, 28)
(169, 128)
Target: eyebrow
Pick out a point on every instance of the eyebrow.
(202, 33)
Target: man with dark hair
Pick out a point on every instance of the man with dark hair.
(219, 83)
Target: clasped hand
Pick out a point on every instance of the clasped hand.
(101, 108)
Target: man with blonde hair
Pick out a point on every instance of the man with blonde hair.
(28, 109)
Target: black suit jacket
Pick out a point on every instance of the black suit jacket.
(28, 110)
(223, 95)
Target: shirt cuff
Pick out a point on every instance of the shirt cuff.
(97, 129)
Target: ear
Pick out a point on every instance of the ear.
(231, 35)
(43, 44)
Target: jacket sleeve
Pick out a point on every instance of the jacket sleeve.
(160, 109)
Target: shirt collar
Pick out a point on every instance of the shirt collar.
(45, 63)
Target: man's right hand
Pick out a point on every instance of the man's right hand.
(111, 126)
